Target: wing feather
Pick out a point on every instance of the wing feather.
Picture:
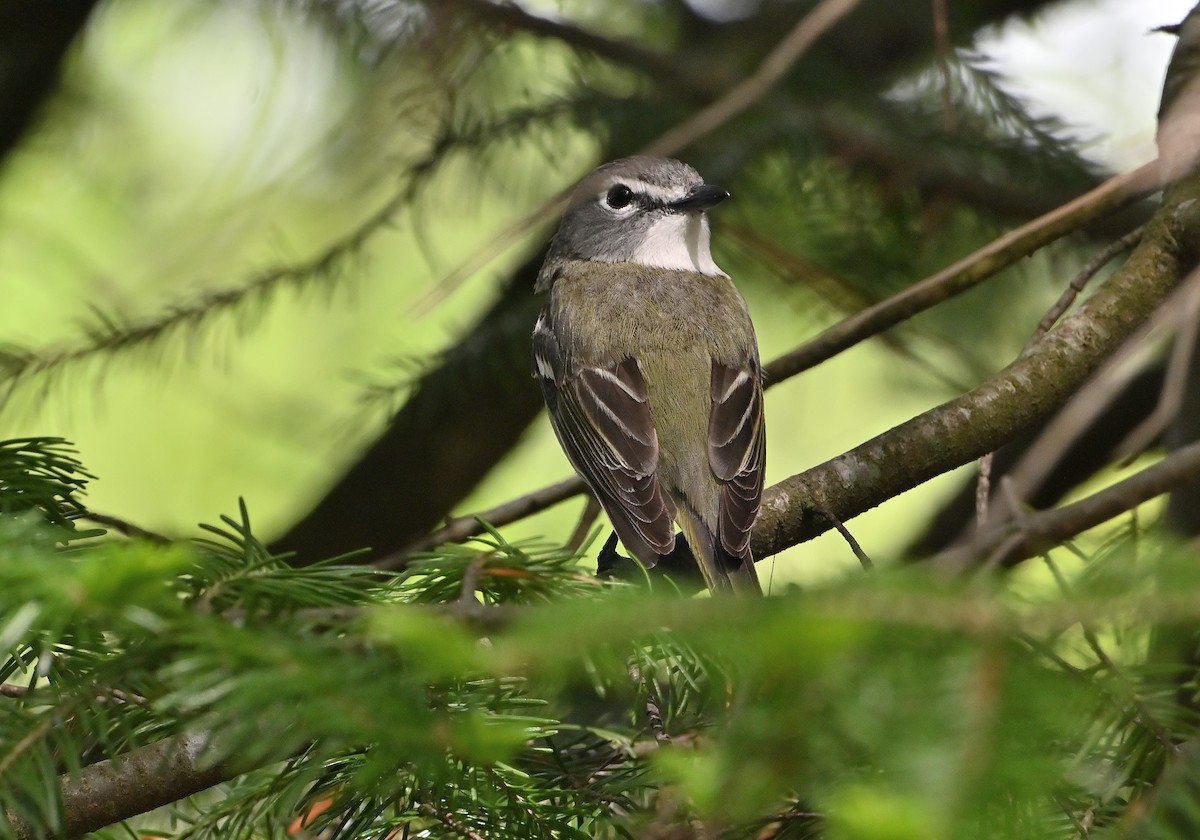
(737, 450)
(602, 418)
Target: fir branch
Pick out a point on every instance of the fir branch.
(109, 337)
(42, 474)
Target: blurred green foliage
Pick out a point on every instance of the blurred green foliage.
(218, 255)
(497, 688)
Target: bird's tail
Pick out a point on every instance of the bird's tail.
(723, 572)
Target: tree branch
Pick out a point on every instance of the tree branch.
(141, 780)
(966, 273)
(465, 527)
(107, 337)
(740, 97)
(1017, 540)
(1023, 395)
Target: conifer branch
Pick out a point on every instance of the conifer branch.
(109, 337)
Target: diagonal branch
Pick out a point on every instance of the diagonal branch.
(144, 779)
(740, 97)
(967, 272)
(110, 338)
(1023, 395)
(1019, 539)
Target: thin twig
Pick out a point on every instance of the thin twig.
(125, 527)
(21, 691)
(941, 40)
(451, 822)
(654, 714)
(1060, 307)
(465, 527)
(470, 581)
(1090, 269)
(863, 558)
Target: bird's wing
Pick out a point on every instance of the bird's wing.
(737, 450)
(602, 418)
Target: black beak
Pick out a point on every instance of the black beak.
(1170, 28)
(699, 199)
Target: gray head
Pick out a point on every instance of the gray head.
(642, 210)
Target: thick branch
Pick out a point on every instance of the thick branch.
(1026, 393)
(34, 36)
(142, 780)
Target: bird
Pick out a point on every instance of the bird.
(649, 366)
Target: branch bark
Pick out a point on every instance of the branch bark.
(142, 780)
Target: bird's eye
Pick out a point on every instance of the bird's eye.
(619, 196)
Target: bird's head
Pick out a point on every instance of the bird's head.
(643, 210)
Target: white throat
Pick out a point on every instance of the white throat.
(678, 241)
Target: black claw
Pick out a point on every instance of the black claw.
(610, 562)
(679, 565)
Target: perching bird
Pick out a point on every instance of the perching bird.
(650, 368)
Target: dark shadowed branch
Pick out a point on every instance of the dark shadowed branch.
(1021, 538)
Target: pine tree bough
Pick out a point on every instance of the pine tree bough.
(1024, 394)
